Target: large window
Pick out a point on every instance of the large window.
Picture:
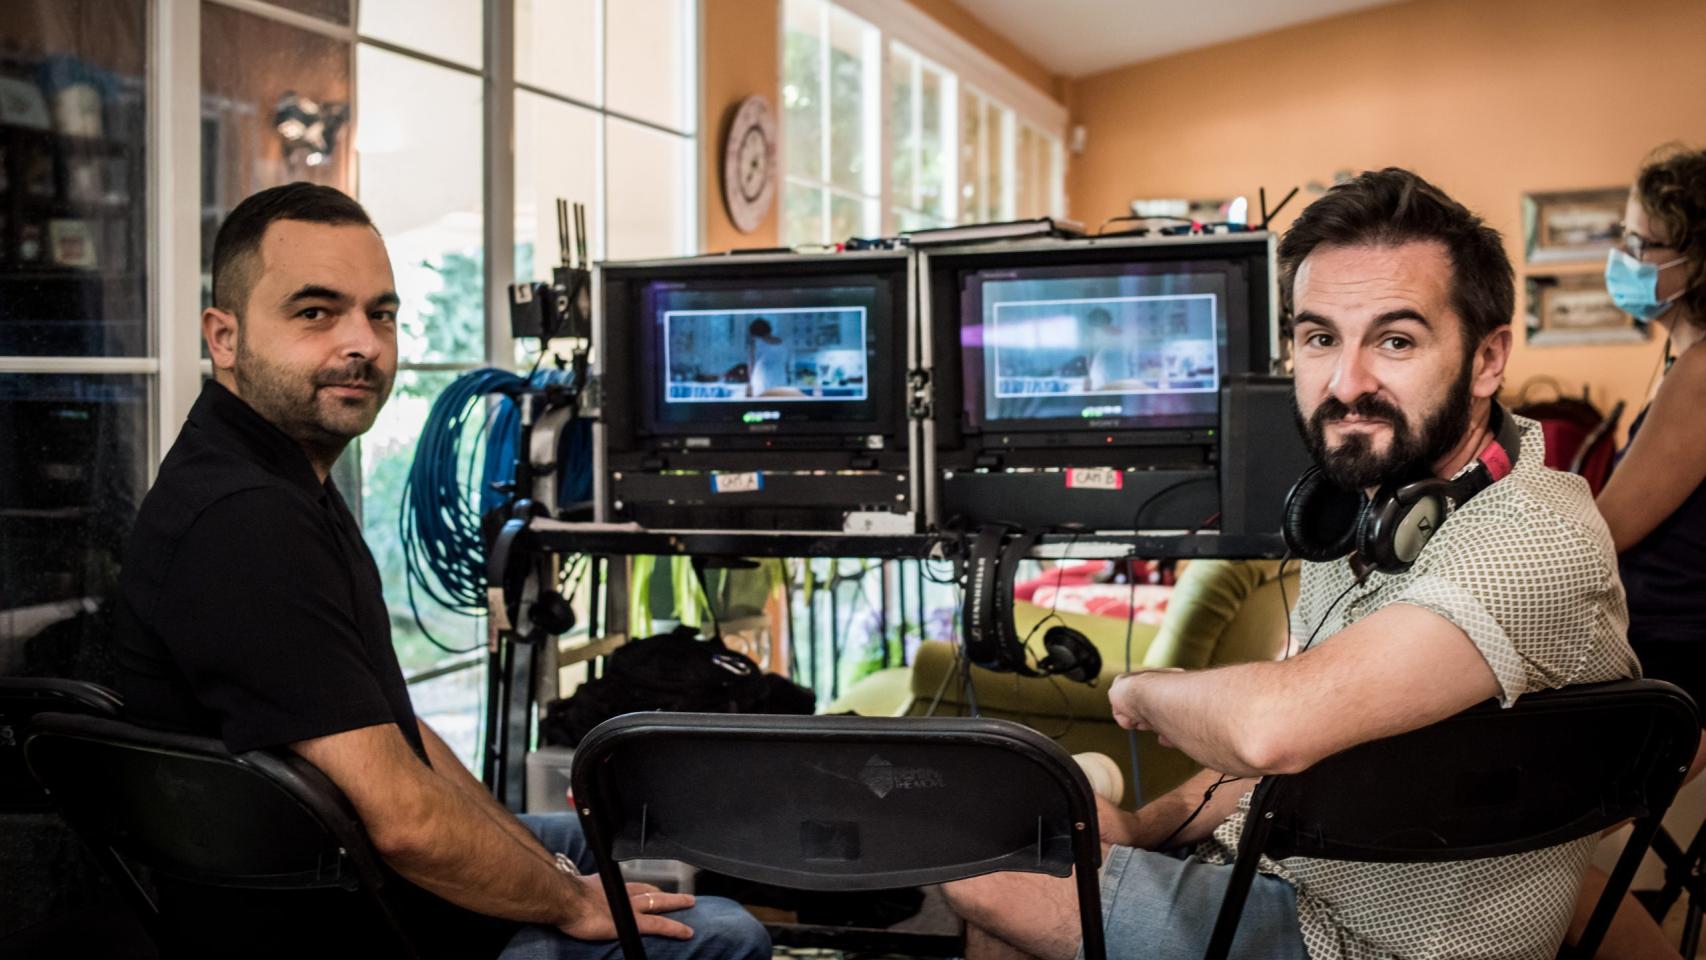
(881, 136)
(831, 106)
(401, 102)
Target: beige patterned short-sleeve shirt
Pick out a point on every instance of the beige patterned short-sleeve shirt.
(1527, 570)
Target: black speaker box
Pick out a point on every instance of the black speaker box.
(1261, 453)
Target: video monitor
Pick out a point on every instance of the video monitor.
(1108, 345)
(766, 356)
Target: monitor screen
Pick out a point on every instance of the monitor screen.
(763, 356)
(1100, 345)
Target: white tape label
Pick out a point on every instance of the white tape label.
(1094, 478)
(737, 482)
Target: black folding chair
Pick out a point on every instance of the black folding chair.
(1489, 782)
(835, 803)
(1685, 872)
(21, 698)
(257, 846)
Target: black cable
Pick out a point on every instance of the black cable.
(1325, 616)
(1207, 795)
(1137, 515)
(1285, 602)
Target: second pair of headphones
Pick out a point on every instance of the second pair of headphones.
(991, 639)
(1323, 521)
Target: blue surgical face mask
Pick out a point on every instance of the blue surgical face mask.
(1634, 285)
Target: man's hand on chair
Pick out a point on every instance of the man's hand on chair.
(589, 911)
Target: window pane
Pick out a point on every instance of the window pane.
(556, 152)
(419, 150)
(932, 143)
(387, 452)
(449, 29)
(802, 88)
(556, 46)
(903, 128)
(335, 11)
(73, 206)
(973, 200)
(455, 706)
(998, 135)
(802, 215)
(261, 80)
(1036, 172)
(645, 54)
(850, 57)
(850, 217)
(72, 474)
(646, 176)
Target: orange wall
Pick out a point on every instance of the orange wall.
(740, 54)
(1487, 99)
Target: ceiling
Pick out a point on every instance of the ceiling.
(1077, 37)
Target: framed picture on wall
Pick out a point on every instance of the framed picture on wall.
(1576, 225)
(1575, 309)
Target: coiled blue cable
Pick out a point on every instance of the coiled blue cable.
(444, 497)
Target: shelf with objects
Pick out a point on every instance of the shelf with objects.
(73, 293)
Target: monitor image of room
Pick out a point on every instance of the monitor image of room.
(775, 355)
(1104, 346)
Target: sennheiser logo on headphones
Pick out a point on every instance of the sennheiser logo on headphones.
(883, 777)
(1425, 525)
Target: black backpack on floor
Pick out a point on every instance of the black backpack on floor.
(674, 671)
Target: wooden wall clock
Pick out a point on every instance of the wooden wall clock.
(750, 164)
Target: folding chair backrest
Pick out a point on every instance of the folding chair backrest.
(839, 803)
(253, 841)
(21, 698)
(1553, 767)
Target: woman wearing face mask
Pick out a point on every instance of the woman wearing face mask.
(1655, 501)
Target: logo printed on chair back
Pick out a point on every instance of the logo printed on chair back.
(883, 777)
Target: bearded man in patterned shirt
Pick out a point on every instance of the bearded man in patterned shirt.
(1399, 303)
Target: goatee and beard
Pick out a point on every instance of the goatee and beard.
(1355, 464)
(295, 402)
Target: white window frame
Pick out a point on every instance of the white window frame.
(174, 165)
(934, 43)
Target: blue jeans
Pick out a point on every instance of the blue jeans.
(1161, 906)
(721, 929)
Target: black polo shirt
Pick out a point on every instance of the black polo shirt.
(249, 607)
(251, 610)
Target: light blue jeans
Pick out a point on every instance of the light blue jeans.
(721, 929)
(1160, 906)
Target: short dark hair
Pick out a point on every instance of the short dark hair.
(1395, 206)
(1671, 187)
(238, 244)
(759, 328)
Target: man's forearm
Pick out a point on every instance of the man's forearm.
(450, 767)
(1210, 715)
(1162, 820)
(465, 856)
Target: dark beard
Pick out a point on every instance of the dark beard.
(292, 402)
(1355, 465)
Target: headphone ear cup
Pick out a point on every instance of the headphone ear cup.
(1070, 655)
(1400, 522)
(1321, 519)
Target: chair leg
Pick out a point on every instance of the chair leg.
(1691, 930)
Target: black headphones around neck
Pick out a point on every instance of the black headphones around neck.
(991, 639)
(1323, 521)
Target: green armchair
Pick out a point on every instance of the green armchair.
(1220, 612)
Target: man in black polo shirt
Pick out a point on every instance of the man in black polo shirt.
(250, 608)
